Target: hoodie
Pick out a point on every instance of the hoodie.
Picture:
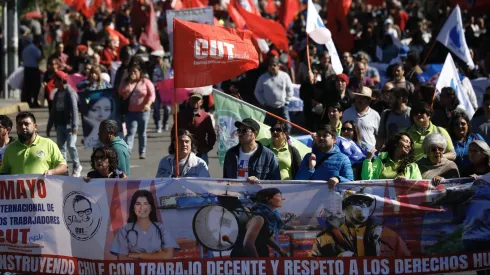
(335, 164)
(122, 151)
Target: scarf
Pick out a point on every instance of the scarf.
(273, 218)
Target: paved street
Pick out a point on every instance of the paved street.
(157, 148)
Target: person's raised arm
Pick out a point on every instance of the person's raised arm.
(253, 229)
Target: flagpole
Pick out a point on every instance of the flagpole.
(428, 53)
(262, 110)
(308, 54)
(176, 130)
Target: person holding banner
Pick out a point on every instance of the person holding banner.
(435, 167)
(104, 165)
(257, 235)
(190, 165)
(143, 237)
(396, 162)
(326, 162)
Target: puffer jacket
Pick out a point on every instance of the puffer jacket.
(335, 164)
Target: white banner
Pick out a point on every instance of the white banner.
(198, 15)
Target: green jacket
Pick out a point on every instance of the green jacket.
(371, 170)
(122, 151)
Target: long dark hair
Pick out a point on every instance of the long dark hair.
(183, 132)
(390, 147)
(357, 133)
(455, 115)
(149, 197)
(109, 154)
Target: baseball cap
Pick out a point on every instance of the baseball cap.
(248, 122)
(195, 95)
(62, 75)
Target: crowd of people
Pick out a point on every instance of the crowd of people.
(364, 127)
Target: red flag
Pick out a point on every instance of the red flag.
(207, 54)
(87, 9)
(265, 28)
(236, 16)
(271, 7)
(288, 11)
(337, 11)
(123, 41)
(150, 36)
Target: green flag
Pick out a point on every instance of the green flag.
(229, 109)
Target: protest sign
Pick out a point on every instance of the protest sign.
(96, 106)
(57, 225)
(199, 15)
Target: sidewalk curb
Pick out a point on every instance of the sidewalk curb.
(14, 108)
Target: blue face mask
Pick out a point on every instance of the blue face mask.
(273, 218)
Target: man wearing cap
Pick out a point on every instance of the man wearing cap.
(199, 123)
(367, 118)
(274, 90)
(5, 128)
(64, 115)
(399, 81)
(326, 162)
(249, 159)
(357, 236)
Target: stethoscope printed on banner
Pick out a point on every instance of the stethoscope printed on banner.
(133, 235)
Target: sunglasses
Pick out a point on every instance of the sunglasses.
(436, 149)
(345, 129)
(244, 130)
(276, 130)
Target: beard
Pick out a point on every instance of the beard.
(25, 137)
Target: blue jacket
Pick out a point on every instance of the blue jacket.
(262, 164)
(196, 167)
(336, 165)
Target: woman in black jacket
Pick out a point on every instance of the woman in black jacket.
(287, 155)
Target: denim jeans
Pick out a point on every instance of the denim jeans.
(282, 112)
(137, 121)
(156, 113)
(64, 137)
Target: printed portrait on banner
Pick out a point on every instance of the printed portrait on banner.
(95, 107)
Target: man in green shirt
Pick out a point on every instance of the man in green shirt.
(31, 153)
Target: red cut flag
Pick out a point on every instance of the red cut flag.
(150, 37)
(337, 24)
(288, 11)
(265, 28)
(207, 54)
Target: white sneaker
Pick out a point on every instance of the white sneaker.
(77, 171)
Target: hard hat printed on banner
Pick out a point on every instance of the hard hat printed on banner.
(206, 54)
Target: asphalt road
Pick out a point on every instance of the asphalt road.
(157, 148)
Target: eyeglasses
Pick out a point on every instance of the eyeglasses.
(436, 149)
(244, 131)
(345, 129)
(276, 130)
(86, 212)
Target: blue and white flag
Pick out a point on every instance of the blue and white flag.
(449, 78)
(452, 36)
(321, 35)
